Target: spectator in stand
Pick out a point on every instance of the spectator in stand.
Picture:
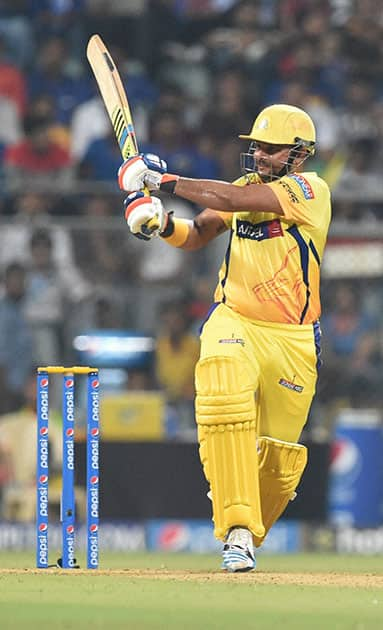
(15, 339)
(17, 30)
(177, 352)
(37, 160)
(43, 107)
(60, 18)
(50, 293)
(12, 81)
(298, 93)
(89, 123)
(10, 128)
(115, 18)
(362, 39)
(351, 351)
(356, 118)
(32, 212)
(168, 138)
(333, 67)
(229, 104)
(102, 253)
(18, 453)
(102, 159)
(90, 120)
(242, 42)
(360, 173)
(195, 8)
(52, 75)
(200, 301)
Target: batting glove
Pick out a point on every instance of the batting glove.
(143, 170)
(145, 215)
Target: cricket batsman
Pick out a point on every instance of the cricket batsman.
(257, 371)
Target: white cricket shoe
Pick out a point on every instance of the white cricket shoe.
(238, 551)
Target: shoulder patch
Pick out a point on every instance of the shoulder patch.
(304, 185)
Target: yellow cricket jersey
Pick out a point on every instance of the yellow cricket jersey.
(272, 264)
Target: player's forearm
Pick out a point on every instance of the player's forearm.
(227, 197)
(207, 193)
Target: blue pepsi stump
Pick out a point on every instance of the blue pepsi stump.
(67, 497)
(67, 511)
(92, 470)
(42, 471)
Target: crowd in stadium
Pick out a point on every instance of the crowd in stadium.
(196, 73)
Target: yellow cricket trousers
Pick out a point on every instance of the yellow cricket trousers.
(281, 359)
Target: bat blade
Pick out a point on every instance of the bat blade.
(113, 94)
(116, 104)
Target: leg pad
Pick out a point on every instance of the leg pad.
(225, 412)
(281, 465)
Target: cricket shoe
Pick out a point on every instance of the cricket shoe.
(238, 552)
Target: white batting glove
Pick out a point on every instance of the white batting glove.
(142, 170)
(146, 216)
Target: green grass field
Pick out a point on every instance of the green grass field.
(147, 591)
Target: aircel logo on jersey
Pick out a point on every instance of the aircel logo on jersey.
(305, 186)
(259, 231)
(291, 385)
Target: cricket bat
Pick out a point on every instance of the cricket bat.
(116, 102)
(113, 94)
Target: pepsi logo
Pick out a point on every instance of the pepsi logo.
(174, 536)
(43, 527)
(70, 529)
(94, 432)
(94, 480)
(93, 529)
(95, 383)
(69, 382)
(44, 431)
(69, 432)
(44, 382)
(43, 478)
(346, 460)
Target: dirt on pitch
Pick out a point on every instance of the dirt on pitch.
(302, 579)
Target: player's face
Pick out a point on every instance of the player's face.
(270, 158)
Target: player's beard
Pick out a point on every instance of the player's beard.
(269, 174)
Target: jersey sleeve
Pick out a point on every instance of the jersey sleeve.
(301, 197)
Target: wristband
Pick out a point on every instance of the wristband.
(168, 183)
(176, 231)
